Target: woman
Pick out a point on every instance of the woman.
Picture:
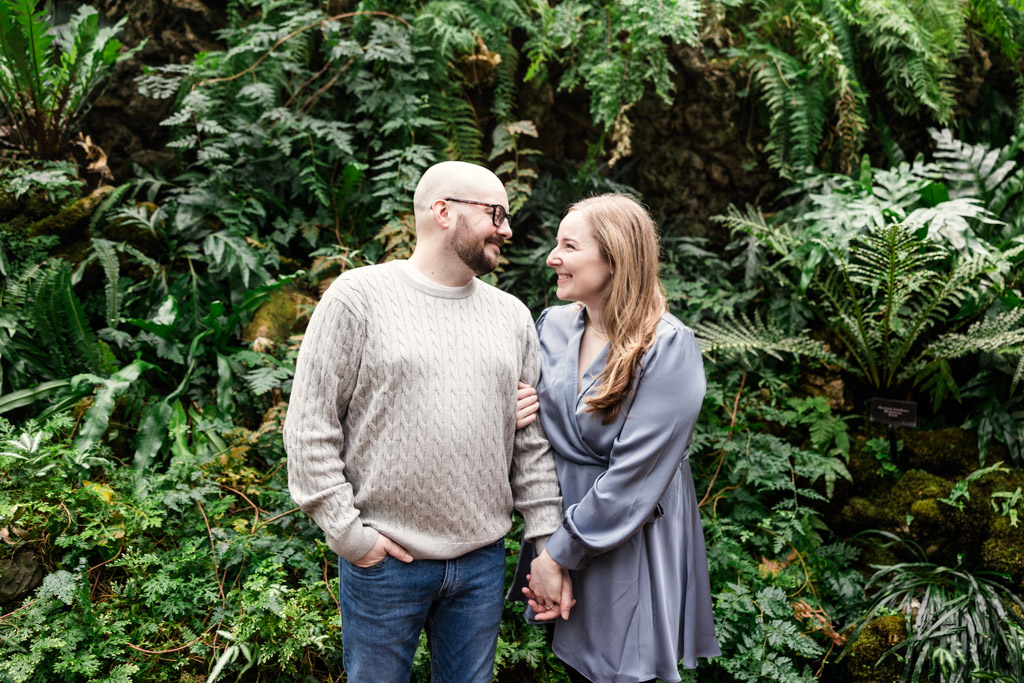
(621, 387)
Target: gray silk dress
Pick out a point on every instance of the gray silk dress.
(631, 534)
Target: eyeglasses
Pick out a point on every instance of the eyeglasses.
(499, 214)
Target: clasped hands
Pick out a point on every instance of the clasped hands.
(549, 592)
(550, 589)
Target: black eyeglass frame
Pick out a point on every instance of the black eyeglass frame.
(495, 210)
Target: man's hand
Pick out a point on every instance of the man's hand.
(549, 587)
(383, 547)
(526, 405)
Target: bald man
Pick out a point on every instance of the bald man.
(401, 437)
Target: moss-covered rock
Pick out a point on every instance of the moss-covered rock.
(949, 452)
(70, 223)
(286, 312)
(1003, 551)
(863, 513)
(877, 638)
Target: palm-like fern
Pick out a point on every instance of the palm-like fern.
(47, 82)
(884, 299)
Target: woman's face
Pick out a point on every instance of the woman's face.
(583, 273)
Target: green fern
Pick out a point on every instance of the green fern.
(914, 45)
(263, 379)
(993, 175)
(48, 79)
(1003, 21)
(59, 322)
(614, 48)
(107, 256)
(103, 211)
(1002, 334)
(892, 294)
(745, 337)
(460, 125)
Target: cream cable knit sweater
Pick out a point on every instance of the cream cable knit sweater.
(402, 417)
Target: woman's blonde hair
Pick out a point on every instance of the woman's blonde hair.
(635, 300)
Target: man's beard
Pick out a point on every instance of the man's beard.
(470, 251)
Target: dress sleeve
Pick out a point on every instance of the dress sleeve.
(325, 377)
(533, 477)
(540, 320)
(654, 439)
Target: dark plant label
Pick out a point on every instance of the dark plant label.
(896, 413)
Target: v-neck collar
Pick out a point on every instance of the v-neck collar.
(572, 364)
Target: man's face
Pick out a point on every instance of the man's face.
(476, 241)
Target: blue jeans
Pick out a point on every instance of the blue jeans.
(384, 608)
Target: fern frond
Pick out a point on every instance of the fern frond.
(974, 170)
(748, 336)
(460, 125)
(1000, 334)
(60, 323)
(914, 45)
(105, 252)
(99, 216)
(263, 379)
(796, 110)
(1001, 20)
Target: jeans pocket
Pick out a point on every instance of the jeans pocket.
(372, 567)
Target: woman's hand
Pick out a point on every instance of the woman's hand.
(526, 405)
(541, 611)
(550, 589)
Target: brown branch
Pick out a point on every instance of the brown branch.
(327, 86)
(719, 495)
(732, 424)
(213, 549)
(312, 78)
(266, 522)
(294, 33)
(173, 649)
(119, 551)
(807, 576)
(328, 584)
(256, 520)
(27, 604)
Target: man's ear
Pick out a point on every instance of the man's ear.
(441, 215)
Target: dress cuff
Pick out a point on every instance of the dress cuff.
(567, 548)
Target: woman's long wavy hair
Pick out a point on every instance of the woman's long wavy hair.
(635, 300)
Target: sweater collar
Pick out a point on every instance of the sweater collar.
(417, 280)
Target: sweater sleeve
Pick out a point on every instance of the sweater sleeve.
(645, 456)
(534, 480)
(325, 377)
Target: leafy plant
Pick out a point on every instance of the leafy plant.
(781, 583)
(823, 67)
(48, 79)
(961, 492)
(881, 450)
(884, 298)
(613, 49)
(958, 621)
(1008, 503)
